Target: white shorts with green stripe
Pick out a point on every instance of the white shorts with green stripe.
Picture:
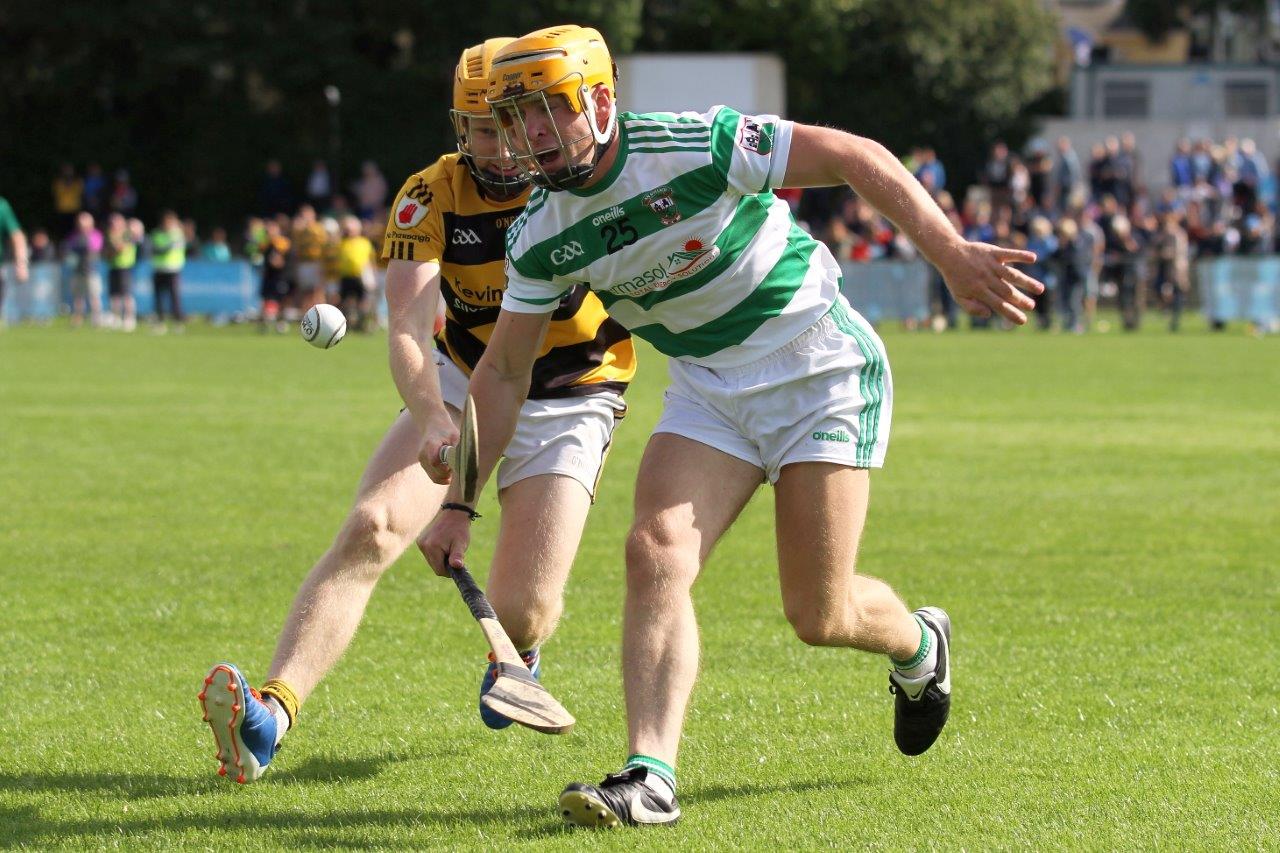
(827, 396)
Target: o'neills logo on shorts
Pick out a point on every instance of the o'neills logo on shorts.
(693, 258)
(839, 435)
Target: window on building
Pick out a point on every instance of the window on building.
(1126, 99)
(1246, 98)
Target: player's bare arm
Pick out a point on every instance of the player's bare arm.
(498, 386)
(978, 274)
(413, 294)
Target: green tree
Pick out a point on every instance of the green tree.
(948, 74)
(193, 97)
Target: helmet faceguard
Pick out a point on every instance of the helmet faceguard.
(540, 87)
(493, 169)
(497, 174)
(556, 160)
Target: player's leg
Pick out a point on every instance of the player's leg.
(687, 495)
(546, 484)
(820, 509)
(394, 501)
(542, 522)
(840, 411)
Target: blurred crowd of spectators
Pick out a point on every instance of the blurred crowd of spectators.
(1097, 229)
(312, 246)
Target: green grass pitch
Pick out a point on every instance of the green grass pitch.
(1099, 514)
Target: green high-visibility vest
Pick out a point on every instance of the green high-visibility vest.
(167, 251)
(126, 257)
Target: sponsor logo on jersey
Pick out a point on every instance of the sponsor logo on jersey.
(407, 235)
(754, 136)
(465, 237)
(410, 212)
(567, 252)
(615, 212)
(662, 202)
(692, 258)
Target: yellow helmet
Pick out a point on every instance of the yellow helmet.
(527, 73)
(470, 85)
(471, 78)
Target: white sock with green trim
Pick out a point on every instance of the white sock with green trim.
(925, 660)
(661, 778)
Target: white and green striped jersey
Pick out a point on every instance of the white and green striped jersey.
(682, 240)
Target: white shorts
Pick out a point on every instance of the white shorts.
(827, 396)
(568, 436)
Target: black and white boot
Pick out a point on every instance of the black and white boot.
(622, 798)
(921, 705)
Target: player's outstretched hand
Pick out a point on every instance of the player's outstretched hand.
(436, 437)
(445, 541)
(980, 277)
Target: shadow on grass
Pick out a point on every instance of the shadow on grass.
(333, 827)
(694, 795)
(136, 786)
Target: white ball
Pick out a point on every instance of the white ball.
(323, 326)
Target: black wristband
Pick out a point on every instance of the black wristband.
(471, 513)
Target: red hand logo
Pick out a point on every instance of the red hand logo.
(406, 213)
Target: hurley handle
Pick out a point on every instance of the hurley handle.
(472, 594)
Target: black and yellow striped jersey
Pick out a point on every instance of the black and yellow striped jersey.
(440, 216)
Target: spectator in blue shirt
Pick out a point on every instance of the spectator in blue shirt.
(927, 163)
(1181, 169)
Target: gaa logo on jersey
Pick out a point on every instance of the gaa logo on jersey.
(567, 252)
(755, 136)
(662, 202)
(410, 212)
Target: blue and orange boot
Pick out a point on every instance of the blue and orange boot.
(491, 718)
(243, 726)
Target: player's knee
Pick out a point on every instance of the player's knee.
(815, 627)
(371, 536)
(660, 551)
(528, 616)
(851, 622)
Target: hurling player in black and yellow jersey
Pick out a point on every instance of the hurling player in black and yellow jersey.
(445, 240)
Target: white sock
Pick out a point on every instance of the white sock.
(660, 786)
(282, 717)
(922, 664)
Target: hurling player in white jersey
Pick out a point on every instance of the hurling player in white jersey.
(670, 220)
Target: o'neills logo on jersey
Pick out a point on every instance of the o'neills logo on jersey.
(691, 259)
(662, 201)
(615, 212)
(410, 212)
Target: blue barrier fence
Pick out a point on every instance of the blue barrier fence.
(1238, 288)
(1230, 288)
(215, 288)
